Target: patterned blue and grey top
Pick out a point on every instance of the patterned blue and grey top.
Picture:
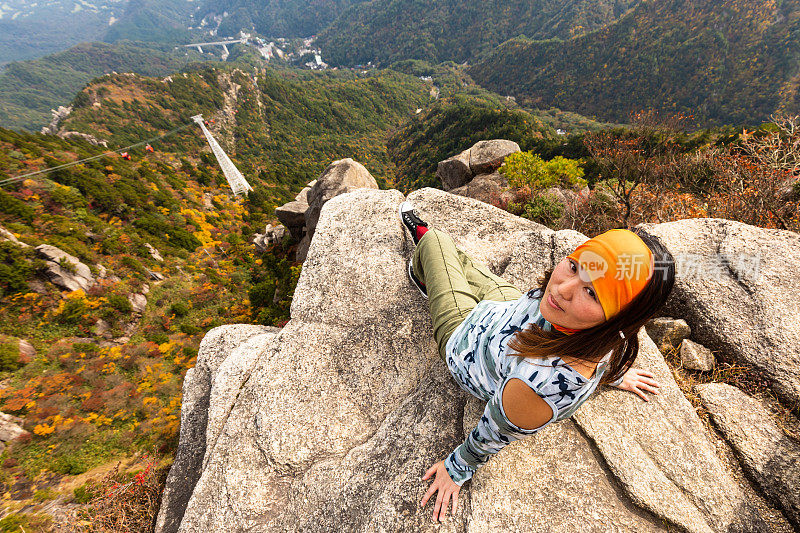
(479, 359)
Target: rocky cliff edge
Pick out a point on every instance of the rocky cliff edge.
(329, 423)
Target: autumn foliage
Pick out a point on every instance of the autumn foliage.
(654, 171)
(757, 179)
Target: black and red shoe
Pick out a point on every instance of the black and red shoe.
(411, 220)
(417, 227)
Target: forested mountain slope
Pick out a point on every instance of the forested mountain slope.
(723, 62)
(387, 30)
(161, 21)
(29, 89)
(166, 253)
(283, 127)
(274, 18)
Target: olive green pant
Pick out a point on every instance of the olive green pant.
(455, 283)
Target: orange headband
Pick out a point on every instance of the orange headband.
(618, 264)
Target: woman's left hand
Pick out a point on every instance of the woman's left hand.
(446, 487)
(638, 380)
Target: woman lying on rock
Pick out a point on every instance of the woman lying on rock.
(535, 357)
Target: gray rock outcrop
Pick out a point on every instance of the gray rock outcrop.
(138, 302)
(18, 350)
(103, 273)
(331, 423)
(37, 286)
(293, 216)
(57, 116)
(153, 252)
(26, 351)
(487, 156)
(770, 457)
(153, 275)
(454, 171)
(484, 157)
(740, 291)
(272, 234)
(227, 353)
(91, 139)
(667, 332)
(102, 328)
(302, 247)
(6, 235)
(696, 356)
(487, 188)
(54, 128)
(302, 196)
(340, 177)
(259, 241)
(568, 196)
(300, 216)
(65, 270)
(10, 429)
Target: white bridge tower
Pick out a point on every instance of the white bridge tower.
(235, 179)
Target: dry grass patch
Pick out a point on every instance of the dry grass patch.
(738, 375)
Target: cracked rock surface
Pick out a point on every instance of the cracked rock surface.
(770, 457)
(740, 292)
(330, 423)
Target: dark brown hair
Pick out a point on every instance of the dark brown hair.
(593, 343)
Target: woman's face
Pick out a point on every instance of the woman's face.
(577, 300)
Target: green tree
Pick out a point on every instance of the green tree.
(526, 169)
(17, 266)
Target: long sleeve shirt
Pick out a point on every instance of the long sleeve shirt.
(479, 359)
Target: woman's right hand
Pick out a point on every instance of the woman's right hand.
(637, 380)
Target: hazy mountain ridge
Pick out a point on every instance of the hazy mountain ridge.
(732, 63)
(31, 30)
(161, 21)
(274, 18)
(388, 30)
